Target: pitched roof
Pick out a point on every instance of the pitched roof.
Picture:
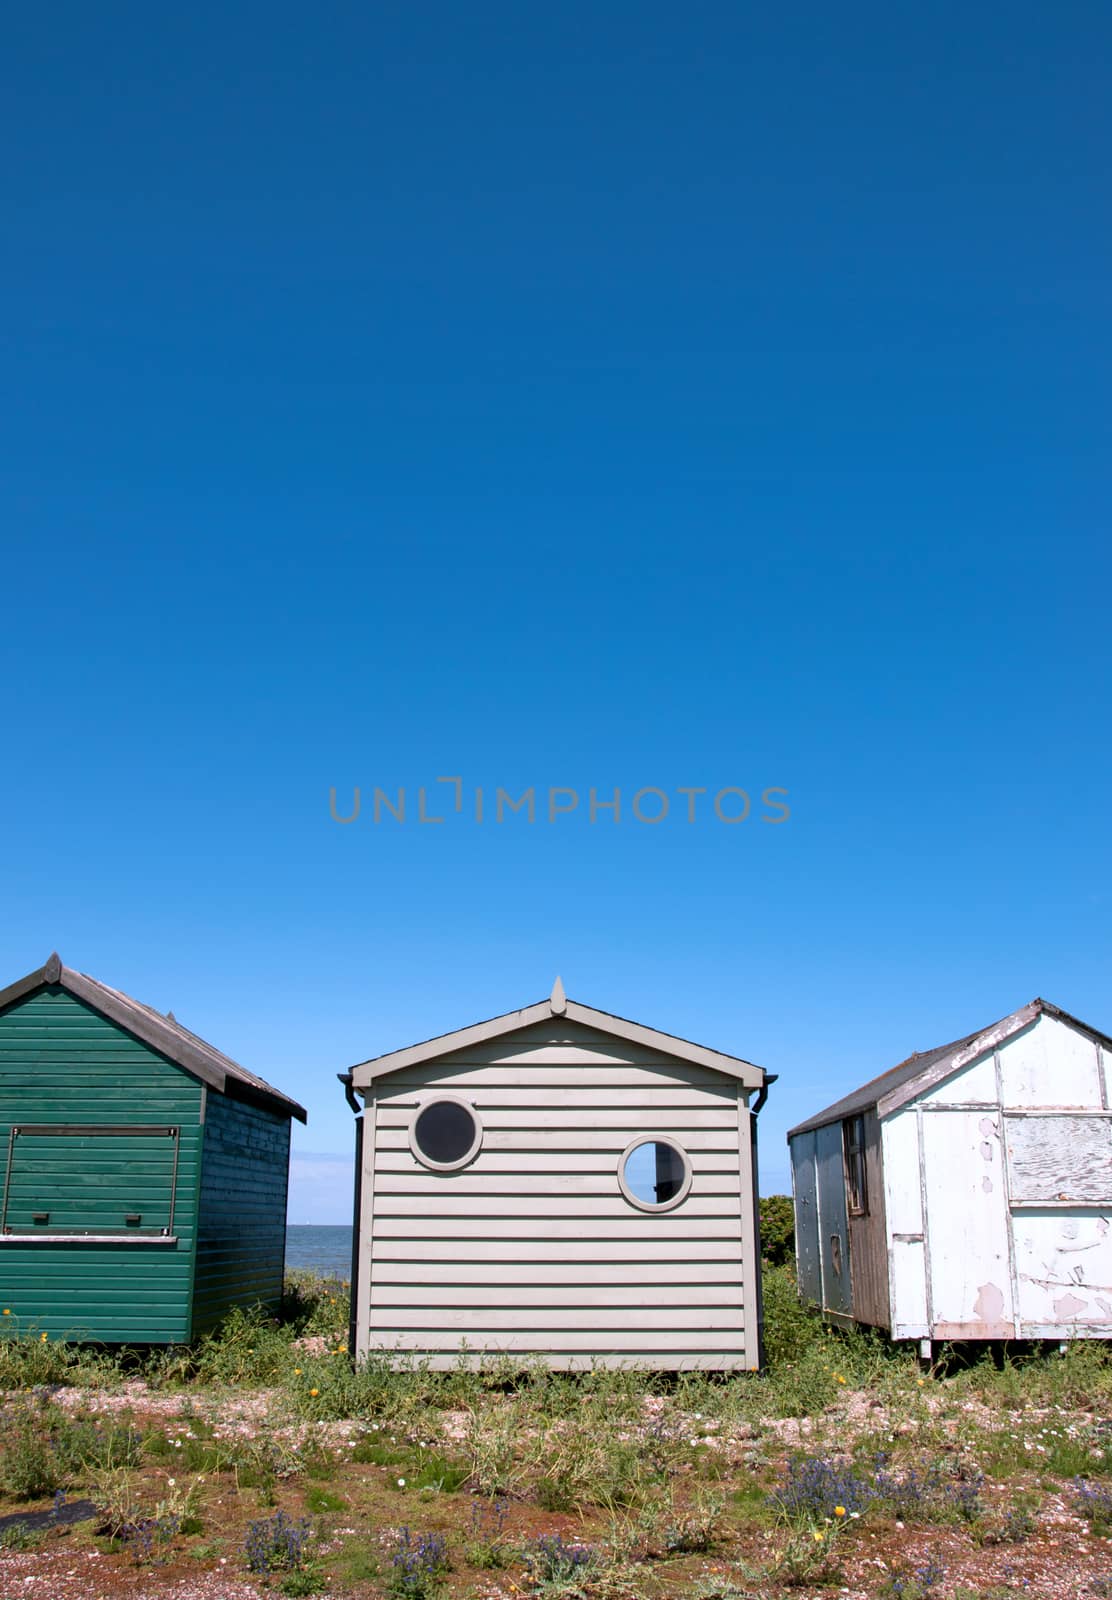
(163, 1033)
(925, 1068)
(558, 1005)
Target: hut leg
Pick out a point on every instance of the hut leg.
(926, 1350)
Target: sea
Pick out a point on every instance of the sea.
(326, 1250)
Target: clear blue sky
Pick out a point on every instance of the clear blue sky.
(612, 395)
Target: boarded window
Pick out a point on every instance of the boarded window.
(67, 1178)
(1063, 1159)
(857, 1188)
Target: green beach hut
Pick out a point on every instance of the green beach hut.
(144, 1174)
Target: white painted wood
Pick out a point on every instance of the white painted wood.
(502, 1164)
(975, 1084)
(903, 1201)
(650, 1344)
(908, 1287)
(571, 1274)
(1050, 1064)
(725, 1360)
(522, 1140)
(591, 1208)
(532, 1246)
(1064, 1268)
(587, 1098)
(573, 1246)
(551, 1069)
(967, 1222)
(558, 1187)
(545, 1028)
(599, 1299)
(533, 1319)
(640, 1225)
(1060, 1158)
(633, 1119)
(1106, 1076)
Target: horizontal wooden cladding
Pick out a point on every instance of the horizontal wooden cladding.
(494, 1163)
(644, 1226)
(449, 1187)
(601, 1341)
(525, 1138)
(553, 1069)
(583, 1112)
(436, 1277)
(569, 1245)
(592, 1208)
(596, 1301)
(580, 1100)
(539, 1323)
(731, 1360)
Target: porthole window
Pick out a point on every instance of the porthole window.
(654, 1174)
(446, 1133)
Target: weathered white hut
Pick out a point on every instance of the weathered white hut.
(561, 1183)
(967, 1193)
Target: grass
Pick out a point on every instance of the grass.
(389, 1476)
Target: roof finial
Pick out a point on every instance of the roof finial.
(558, 1000)
(53, 969)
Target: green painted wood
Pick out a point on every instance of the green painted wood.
(61, 1062)
(241, 1242)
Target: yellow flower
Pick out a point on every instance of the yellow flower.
(839, 1511)
(839, 1377)
(817, 1536)
(920, 1381)
(314, 1391)
(297, 1372)
(7, 1311)
(42, 1338)
(341, 1349)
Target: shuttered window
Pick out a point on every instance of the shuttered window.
(67, 1179)
(857, 1187)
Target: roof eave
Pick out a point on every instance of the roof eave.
(366, 1073)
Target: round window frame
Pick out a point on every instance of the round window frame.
(475, 1146)
(653, 1207)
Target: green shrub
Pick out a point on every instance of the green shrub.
(777, 1215)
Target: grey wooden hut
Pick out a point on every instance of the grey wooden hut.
(966, 1193)
(143, 1172)
(558, 1183)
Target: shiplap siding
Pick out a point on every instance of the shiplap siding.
(63, 1063)
(532, 1249)
(241, 1217)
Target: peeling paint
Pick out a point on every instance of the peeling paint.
(986, 1185)
(989, 1304)
(987, 1126)
(1069, 1306)
(986, 1151)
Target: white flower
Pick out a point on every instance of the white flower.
(401, 1483)
(171, 1481)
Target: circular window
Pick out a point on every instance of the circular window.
(446, 1133)
(654, 1174)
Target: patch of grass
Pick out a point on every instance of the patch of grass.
(323, 1500)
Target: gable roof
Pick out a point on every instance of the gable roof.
(925, 1068)
(163, 1033)
(558, 1005)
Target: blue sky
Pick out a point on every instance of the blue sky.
(612, 396)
